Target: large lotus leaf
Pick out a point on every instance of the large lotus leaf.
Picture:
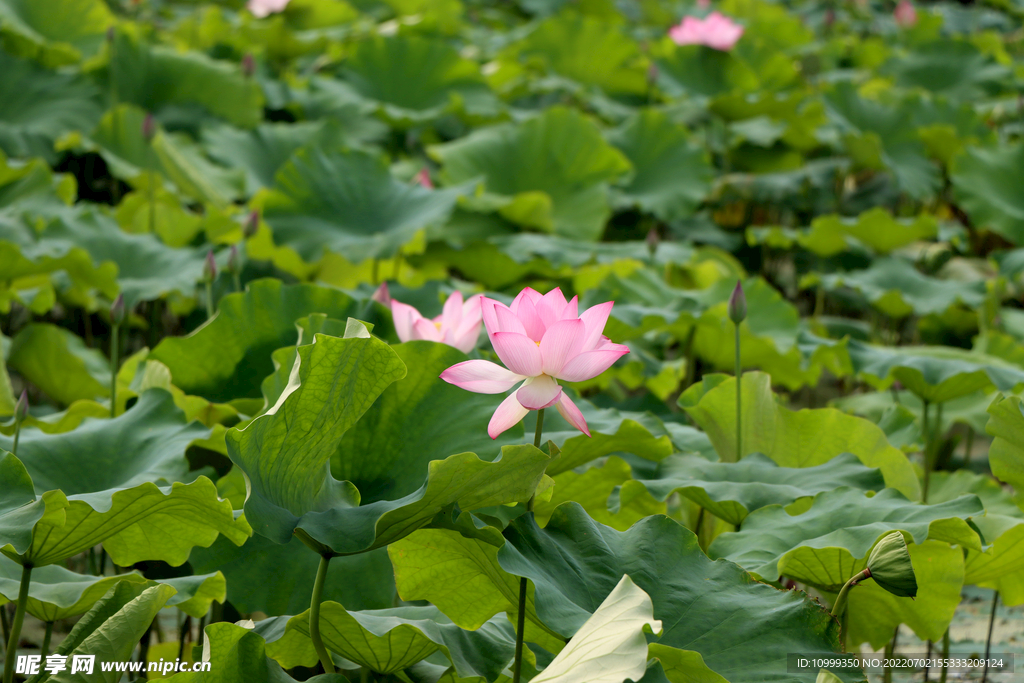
(732, 490)
(967, 410)
(550, 172)
(37, 106)
(411, 424)
(263, 576)
(702, 71)
(229, 356)
(1006, 454)
(57, 361)
(238, 655)
(983, 185)
(146, 443)
(828, 542)
(588, 51)
(156, 77)
(672, 665)
(873, 613)
(20, 509)
(53, 31)
(349, 203)
(877, 134)
(954, 68)
(671, 175)
(416, 78)
(600, 489)
(875, 229)
(741, 628)
(390, 640)
(802, 438)
(898, 289)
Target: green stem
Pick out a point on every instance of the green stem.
(17, 434)
(314, 616)
(840, 605)
(237, 277)
(739, 393)
(152, 201)
(19, 619)
(47, 636)
(115, 339)
(945, 655)
(926, 435)
(969, 446)
(209, 299)
(890, 648)
(691, 372)
(5, 628)
(517, 666)
(988, 639)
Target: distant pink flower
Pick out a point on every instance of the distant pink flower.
(703, 4)
(423, 178)
(716, 31)
(540, 339)
(905, 14)
(263, 8)
(458, 325)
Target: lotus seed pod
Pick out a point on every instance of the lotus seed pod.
(21, 409)
(890, 566)
(210, 267)
(117, 310)
(148, 127)
(738, 304)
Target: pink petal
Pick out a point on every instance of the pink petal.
(451, 314)
(426, 329)
(382, 295)
(571, 309)
(471, 310)
(464, 340)
(595, 317)
(508, 321)
(562, 341)
(568, 410)
(590, 364)
(404, 316)
(550, 307)
(532, 324)
(528, 294)
(519, 353)
(538, 393)
(481, 377)
(507, 415)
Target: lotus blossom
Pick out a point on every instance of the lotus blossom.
(716, 31)
(458, 325)
(541, 339)
(905, 14)
(263, 8)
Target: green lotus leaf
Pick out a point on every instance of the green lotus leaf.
(741, 628)
(732, 490)
(1001, 566)
(37, 106)
(983, 185)
(156, 78)
(416, 78)
(970, 410)
(20, 509)
(58, 362)
(588, 51)
(229, 356)
(672, 665)
(702, 71)
(349, 203)
(672, 176)
(390, 640)
(874, 613)
(53, 32)
(559, 155)
(238, 655)
(607, 492)
(896, 288)
(878, 230)
(829, 541)
(803, 438)
(263, 576)
(146, 443)
(954, 68)
(1006, 454)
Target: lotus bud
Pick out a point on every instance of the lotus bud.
(117, 310)
(652, 240)
(738, 304)
(110, 34)
(252, 225)
(21, 409)
(382, 295)
(232, 265)
(210, 267)
(148, 127)
(652, 73)
(248, 65)
(423, 178)
(890, 566)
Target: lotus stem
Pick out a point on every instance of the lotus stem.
(209, 299)
(739, 398)
(19, 619)
(152, 200)
(988, 639)
(926, 436)
(969, 446)
(945, 655)
(5, 628)
(517, 665)
(840, 605)
(928, 655)
(17, 435)
(314, 615)
(47, 636)
(691, 371)
(115, 339)
(890, 649)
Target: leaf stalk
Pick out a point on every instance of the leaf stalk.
(314, 615)
(19, 619)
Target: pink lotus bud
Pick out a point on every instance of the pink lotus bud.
(232, 264)
(905, 14)
(652, 73)
(148, 127)
(738, 304)
(248, 65)
(382, 295)
(652, 240)
(21, 409)
(117, 310)
(703, 4)
(423, 178)
(252, 225)
(210, 267)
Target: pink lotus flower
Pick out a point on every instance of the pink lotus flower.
(264, 8)
(540, 339)
(716, 31)
(423, 178)
(905, 14)
(458, 325)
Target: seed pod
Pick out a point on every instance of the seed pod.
(210, 267)
(738, 304)
(890, 566)
(117, 310)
